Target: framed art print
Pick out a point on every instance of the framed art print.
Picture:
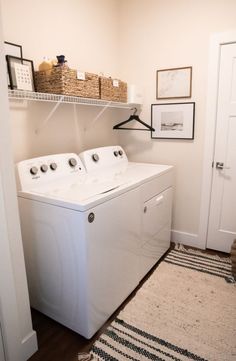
(174, 83)
(21, 73)
(173, 120)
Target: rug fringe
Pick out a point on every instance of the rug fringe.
(181, 247)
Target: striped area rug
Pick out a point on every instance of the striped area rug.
(198, 261)
(185, 311)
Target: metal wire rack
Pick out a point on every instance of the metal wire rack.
(45, 97)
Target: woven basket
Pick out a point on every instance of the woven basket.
(63, 80)
(115, 90)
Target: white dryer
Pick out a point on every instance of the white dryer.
(90, 235)
(155, 184)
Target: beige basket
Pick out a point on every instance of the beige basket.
(113, 89)
(63, 80)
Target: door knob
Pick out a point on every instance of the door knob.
(220, 165)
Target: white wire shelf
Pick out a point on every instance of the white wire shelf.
(45, 97)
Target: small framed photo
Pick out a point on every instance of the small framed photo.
(13, 50)
(173, 120)
(21, 73)
(174, 83)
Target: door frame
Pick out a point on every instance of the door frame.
(19, 339)
(216, 41)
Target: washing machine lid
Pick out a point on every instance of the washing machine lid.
(84, 193)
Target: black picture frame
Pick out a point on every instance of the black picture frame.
(12, 49)
(173, 120)
(11, 60)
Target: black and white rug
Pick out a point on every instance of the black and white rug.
(185, 311)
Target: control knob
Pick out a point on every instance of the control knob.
(120, 152)
(34, 170)
(72, 162)
(116, 153)
(44, 168)
(53, 166)
(95, 157)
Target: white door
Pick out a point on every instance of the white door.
(222, 218)
(2, 357)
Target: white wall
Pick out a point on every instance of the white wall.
(86, 33)
(160, 34)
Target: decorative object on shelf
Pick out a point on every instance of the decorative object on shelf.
(46, 64)
(173, 120)
(137, 119)
(63, 80)
(135, 94)
(113, 89)
(61, 60)
(174, 83)
(13, 50)
(21, 73)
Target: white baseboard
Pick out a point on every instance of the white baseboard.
(188, 239)
(29, 345)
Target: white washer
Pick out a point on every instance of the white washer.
(90, 236)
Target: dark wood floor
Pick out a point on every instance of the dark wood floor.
(58, 343)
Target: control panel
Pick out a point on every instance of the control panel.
(39, 171)
(99, 158)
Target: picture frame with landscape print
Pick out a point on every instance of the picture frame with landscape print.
(173, 120)
(174, 83)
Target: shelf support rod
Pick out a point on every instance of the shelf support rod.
(99, 114)
(37, 131)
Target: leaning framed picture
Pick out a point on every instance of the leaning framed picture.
(21, 73)
(173, 120)
(174, 83)
(13, 50)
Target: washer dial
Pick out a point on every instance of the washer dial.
(44, 168)
(95, 157)
(34, 170)
(53, 166)
(72, 162)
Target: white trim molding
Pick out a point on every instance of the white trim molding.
(19, 339)
(216, 41)
(188, 239)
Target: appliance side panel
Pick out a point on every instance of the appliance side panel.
(53, 246)
(113, 239)
(156, 229)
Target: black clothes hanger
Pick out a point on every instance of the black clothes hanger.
(134, 117)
